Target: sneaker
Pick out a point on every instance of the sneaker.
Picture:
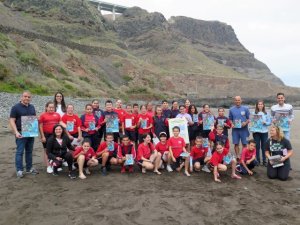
(205, 169)
(130, 169)
(65, 164)
(74, 167)
(32, 171)
(49, 169)
(59, 169)
(20, 174)
(238, 168)
(123, 170)
(162, 166)
(143, 170)
(87, 171)
(72, 175)
(169, 168)
(104, 171)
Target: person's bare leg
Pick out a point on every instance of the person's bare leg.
(80, 161)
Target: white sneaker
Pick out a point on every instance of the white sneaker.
(205, 169)
(59, 169)
(169, 168)
(65, 164)
(74, 167)
(49, 169)
(20, 174)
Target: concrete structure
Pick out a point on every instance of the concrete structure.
(106, 6)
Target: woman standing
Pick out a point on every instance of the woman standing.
(59, 103)
(278, 145)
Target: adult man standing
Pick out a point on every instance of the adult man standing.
(23, 108)
(282, 114)
(239, 116)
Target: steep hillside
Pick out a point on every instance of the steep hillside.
(68, 45)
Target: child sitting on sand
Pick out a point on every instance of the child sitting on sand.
(248, 159)
(85, 157)
(176, 149)
(126, 149)
(217, 162)
(163, 148)
(198, 155)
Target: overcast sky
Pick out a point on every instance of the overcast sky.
(268, 28)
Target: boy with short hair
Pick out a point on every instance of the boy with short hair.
(198, 155)
(248, 159)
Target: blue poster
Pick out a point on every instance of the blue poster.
(112, 124)
(205, 142)
(195, 118)
(282, 120)
(208, 121)
(92, 126)
(111, 146)
(129, 160)
(237, 123)
(256, 123)
(70, 126)
(30, 126)
(143, 124)
(221, 122)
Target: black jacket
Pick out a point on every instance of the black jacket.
(54, 149)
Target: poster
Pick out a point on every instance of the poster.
(30, 126)
(181, 123)
(237, 123)
(195, 118)
(143, 124)
(129, 160)
(221, 122)
(112, 124)
(128, 123)
(208, 121)
(256, 123)
(70, 126)
(282, 120)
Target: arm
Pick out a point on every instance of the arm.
(42, 132)
(212, 136)
(12, 123)
(246, 167)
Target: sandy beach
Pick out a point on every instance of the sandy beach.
(170, 198)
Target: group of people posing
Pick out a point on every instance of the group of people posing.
(140, 135)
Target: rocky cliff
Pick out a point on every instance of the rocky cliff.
(68, 45)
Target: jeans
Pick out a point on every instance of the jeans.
(260, 139)
(27, 144)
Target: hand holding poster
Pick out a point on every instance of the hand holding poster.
(208, 121)
(282, 120)
(256, 123)
(112, 124)
(30, 126)
(181, 123)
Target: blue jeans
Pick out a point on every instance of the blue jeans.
(260, 139)
(27, 145)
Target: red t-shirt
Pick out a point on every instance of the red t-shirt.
(104, 145)
(148, 120)
(49, 120)
(126, 149)
(198, 153)
(89, 122)
(121, 112)
(150, 113)
(72, 122)
(162, 148)
(177, 145)
(217, 158)
(247, 154)
(88, 155)
(145, 151)
(131, 117)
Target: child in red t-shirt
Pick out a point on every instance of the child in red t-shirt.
(217, 135)
(144, 123)
(107, 153)
(176, 148)
(248, 159)
(85, 157)
(147, 156)
(125, 148)
(218, 164)
(129, 124)
(198, 155)
(163, 148)
(72, 124)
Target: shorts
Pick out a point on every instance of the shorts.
(199, 160)
(47, 136)
(131, 135)
(178, 162)
(84, 165)
(240, 134)
(108, 160)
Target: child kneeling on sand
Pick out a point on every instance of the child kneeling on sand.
(126, 154)
(107, 153)
(198, 156)
(85, 157)
(148, 158)
(177, 150)
(217, 162)
(248, 159)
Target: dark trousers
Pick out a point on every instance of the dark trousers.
(281, 173)
(68, 157)
(260, 139)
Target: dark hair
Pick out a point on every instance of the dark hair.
(256, 107)
(109, 134)
(135, 104)
(205, 105)
(63, 104)
(128, 105)
(94, 100)
(86, 140)
(145, 135)
(124, 136)
(176, 127)
(157, 106)
(163, 101)
(108, 101)
(58, 125)
(219, 143)
(47, 104)
(174, 101)
(199, 138)
(190, 109)
(143, 106)
(280, 93)
(251, 141)
(88, 105)
(181, 106)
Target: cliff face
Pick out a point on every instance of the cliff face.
(69, 45)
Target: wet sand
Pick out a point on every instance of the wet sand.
(170, 198)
